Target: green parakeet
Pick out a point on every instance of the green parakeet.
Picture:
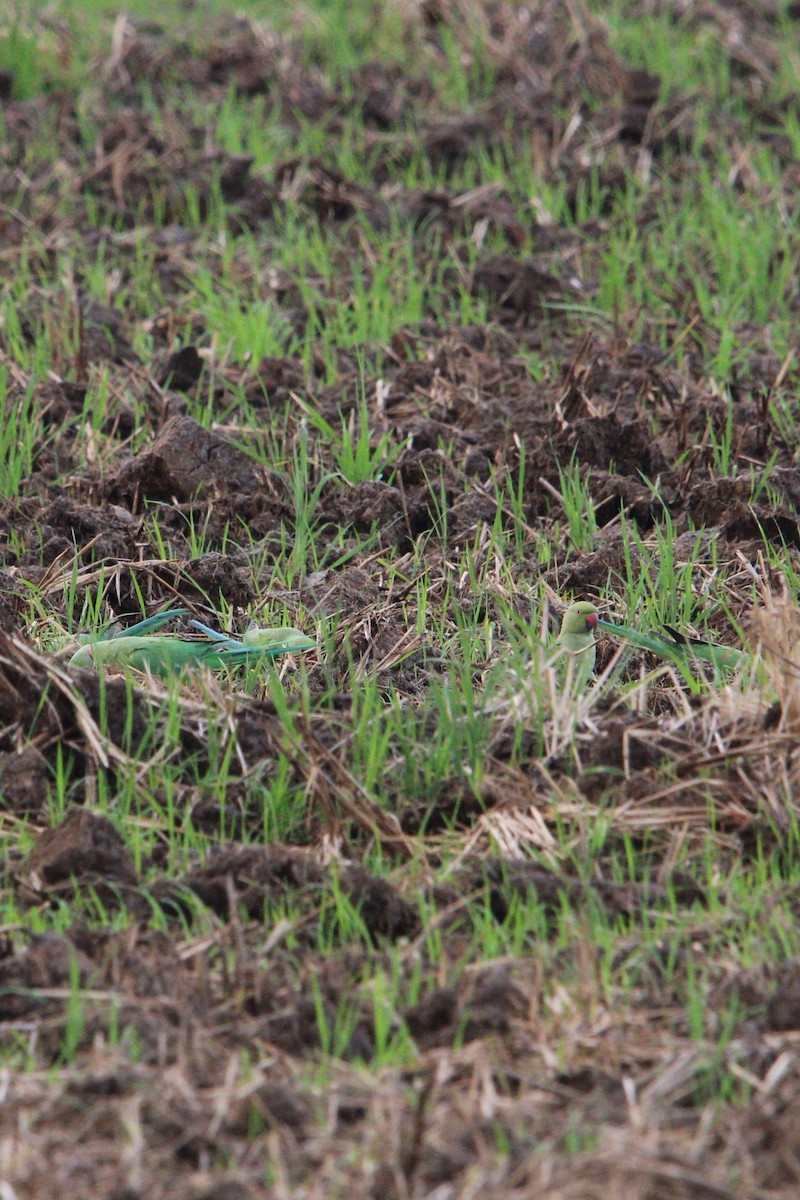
(256, 636)
(165, 655)
(576, 641)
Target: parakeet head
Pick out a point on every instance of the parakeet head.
(580, 617)
(82, 657)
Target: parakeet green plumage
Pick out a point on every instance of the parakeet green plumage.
(678, 648)
(255, 636)
(576, 641)
(266, 638)
(164, 655)
(149, 625)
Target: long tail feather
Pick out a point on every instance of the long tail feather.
(151, 623)
(678, 648)
(215, 634)
(644, 641)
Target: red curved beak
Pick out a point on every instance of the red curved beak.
(591, 621)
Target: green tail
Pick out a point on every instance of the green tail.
(678, 648)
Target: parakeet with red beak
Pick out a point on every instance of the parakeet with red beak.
(577, 642)
(582, 620)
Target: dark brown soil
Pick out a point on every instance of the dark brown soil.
(207, 1032)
